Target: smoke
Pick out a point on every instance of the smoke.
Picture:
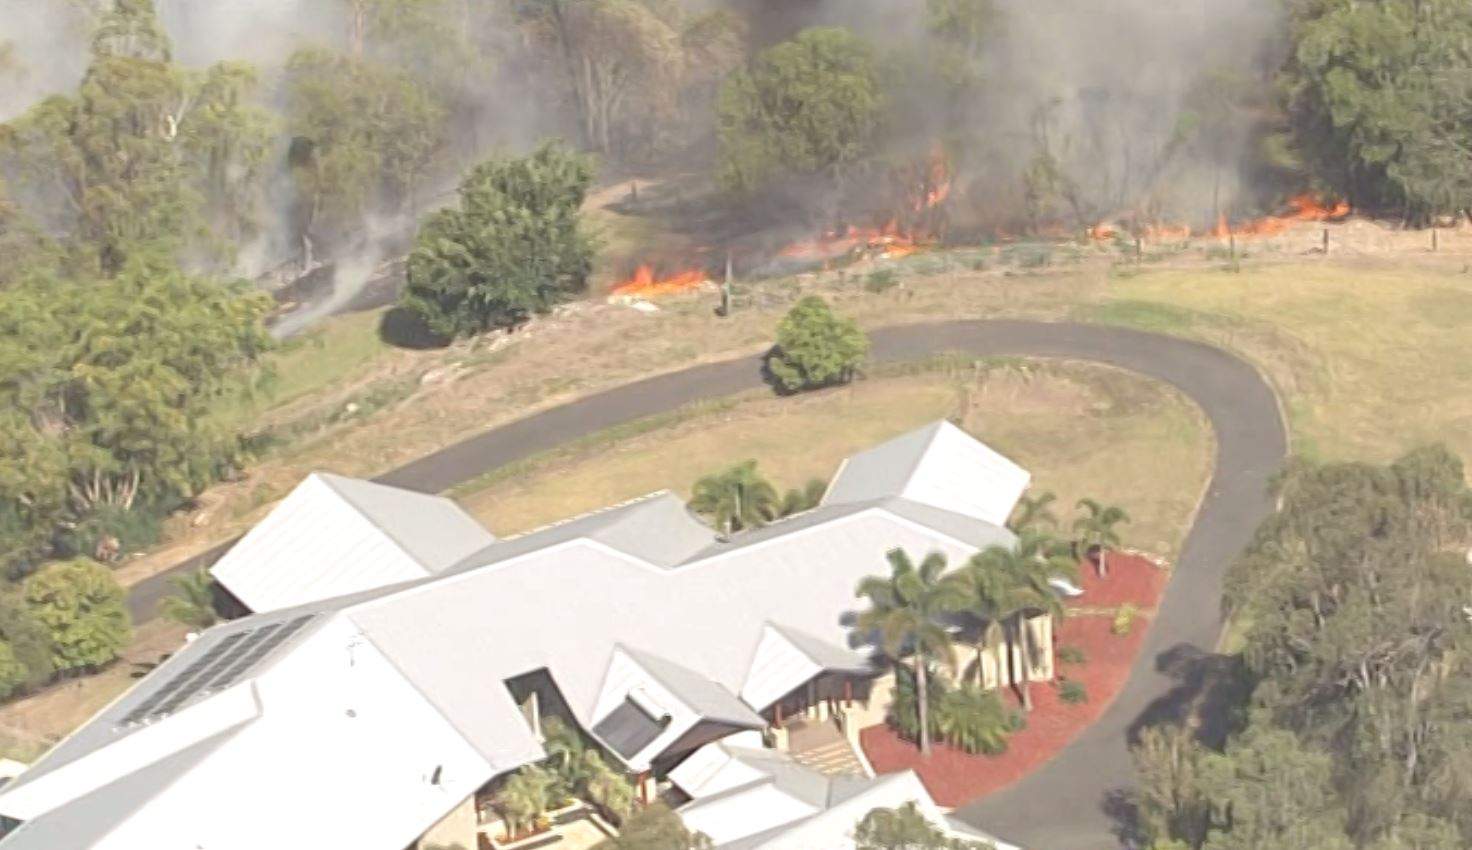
(1124, 97)
(43, 51)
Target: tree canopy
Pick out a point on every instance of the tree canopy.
(1380, 101)
(514, 247)
(816, 347)
(809, 106)
(84, 610)
(1359, 721)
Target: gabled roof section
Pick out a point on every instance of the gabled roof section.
(786, 659)
(938, 465)
(656, 529)
(434, 530)
(706, 698)
(334, 535)
(87, 820)
(146, 731)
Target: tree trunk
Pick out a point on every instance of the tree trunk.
(922, 699)
(1103, 564)
(1025, 680)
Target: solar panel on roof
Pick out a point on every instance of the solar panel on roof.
(219, 667)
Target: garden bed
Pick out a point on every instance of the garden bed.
(954, 777)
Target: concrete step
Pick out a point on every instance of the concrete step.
(834, 759)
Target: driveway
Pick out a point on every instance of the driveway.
(1067, 804)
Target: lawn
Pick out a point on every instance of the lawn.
(1081, 429)
(1369, 358)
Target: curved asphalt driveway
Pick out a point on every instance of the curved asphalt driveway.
(1066, 804)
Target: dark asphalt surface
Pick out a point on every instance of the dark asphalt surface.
(1066, 805)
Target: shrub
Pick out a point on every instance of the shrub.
(974, 720)
(515, 246)
(1072, 655)
(84, 611)
(881, 281)
(1072, 692)
(1124, 619)
(815, 347)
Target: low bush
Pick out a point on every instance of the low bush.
(1072, 655)
(1124, 619)
(881, 281)
(1072, 692)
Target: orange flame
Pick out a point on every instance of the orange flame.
(643, 283)
(1301, 208)
(888, 240)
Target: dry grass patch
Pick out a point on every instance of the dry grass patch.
(1082, 430)
(1370, 356)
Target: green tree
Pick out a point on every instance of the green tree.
(1170, 797)
(147, 156)
(1095, 531)
(1274, 792)
(905, 609)
(907, 828)
(28, 638)
(525, 797)
(655, 827)
(795, 501)
(513, 248)
(973, 720)
(811, 106)
(13, 674)
(1012, 584)
(85, 611)
(193, 601)
(109, 404)
(815, 347)
(736, 498)
(1379, 99)
(1033, 512)
(363, 139)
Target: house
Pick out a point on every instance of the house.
(367, 717)
(745, 796)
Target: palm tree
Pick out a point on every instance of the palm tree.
(736, 498)
(525, 798)
(796, 501)
(193, 602)
(1033, 511)
(1020, 578)
(905, 608)
(1095, 531)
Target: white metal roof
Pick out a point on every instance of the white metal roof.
(938, 465)
(333, 536)
(392, 682)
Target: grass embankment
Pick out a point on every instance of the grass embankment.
(1082, 430)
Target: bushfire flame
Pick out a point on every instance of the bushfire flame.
(887, 240)
(1301, 208)
(643, 283)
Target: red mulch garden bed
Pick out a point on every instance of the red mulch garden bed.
(954, 777)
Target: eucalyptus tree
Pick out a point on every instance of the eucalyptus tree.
(906, 611)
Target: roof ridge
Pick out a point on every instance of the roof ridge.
(400, 544)
(647, 497)
(934, 428)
